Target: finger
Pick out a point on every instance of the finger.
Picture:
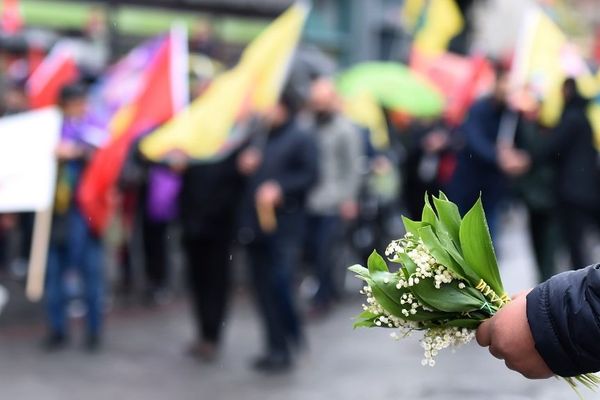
(483, 335)
(511, 365)
(496, 353)
(530, 371)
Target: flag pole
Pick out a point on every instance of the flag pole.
(39, 255)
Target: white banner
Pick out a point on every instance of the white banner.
(27, 160)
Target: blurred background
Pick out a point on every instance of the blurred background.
(183, 184)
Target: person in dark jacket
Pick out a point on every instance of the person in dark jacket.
(209, 202)
(478, 171)
(427, 145)
(552, 330)
(571, 147)
(281, 173)
(140, 184)
(533, 185)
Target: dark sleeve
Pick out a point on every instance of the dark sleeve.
(133, 173)
(564, 317)
(302, 171)
(558, 140)
(481, 142)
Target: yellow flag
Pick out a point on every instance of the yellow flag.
(544, 59)
(254, 85)
(412, 13)
(442, 21)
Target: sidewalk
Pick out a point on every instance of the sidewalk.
(144, 359)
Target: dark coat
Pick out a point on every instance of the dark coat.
(290, 158)
(536, 187)
(571, 147)
(564, 315)
(210, 198)
(477, 170)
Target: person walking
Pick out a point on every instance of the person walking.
(571, 148)
(334, 199)
(72, 242)
(281, 173)
(478, 171)
(209, 204)
(533, 185)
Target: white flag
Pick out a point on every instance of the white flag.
(27, 160)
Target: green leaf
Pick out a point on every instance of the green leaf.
(365, 323)
(443, 196)
(448, 298)
(456, 255)
(449, 217)
(413, 226)
(464, 323)
(366, 319)
(359, 270)
(376, 263)
(438, 251)
(389, 303)
(366, 315)
(477, 247)
(428, 215)
(409, 266)
(386, 285)
(428, 316)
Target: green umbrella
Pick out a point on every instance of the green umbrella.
(394, 86)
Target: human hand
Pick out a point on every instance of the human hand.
(435, 142)
(249, 161)
(512, 161)
(8, 221)
(509, 338)
(177, 161)
(68, 150)
(349, 210)
(269, 194)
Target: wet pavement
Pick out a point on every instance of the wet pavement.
(143, 358)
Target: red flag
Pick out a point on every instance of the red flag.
(35, 58)
(57, 70)
(461, 79)
(11, 21)
(162, 96)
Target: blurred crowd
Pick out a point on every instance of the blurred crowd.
(304, 196)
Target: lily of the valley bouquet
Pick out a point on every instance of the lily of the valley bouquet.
(446, 284)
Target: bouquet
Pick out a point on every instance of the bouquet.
(446, 284)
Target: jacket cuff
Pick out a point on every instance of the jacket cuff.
(544, 333)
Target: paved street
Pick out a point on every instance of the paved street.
(143, 359)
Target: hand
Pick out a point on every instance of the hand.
(68, 150)
(509, 338)
(269, 194)
(435, 142)
(512, 161)
(8, 222)
(381, 165)
(177, 161)
(249, 161)
(349, 210)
